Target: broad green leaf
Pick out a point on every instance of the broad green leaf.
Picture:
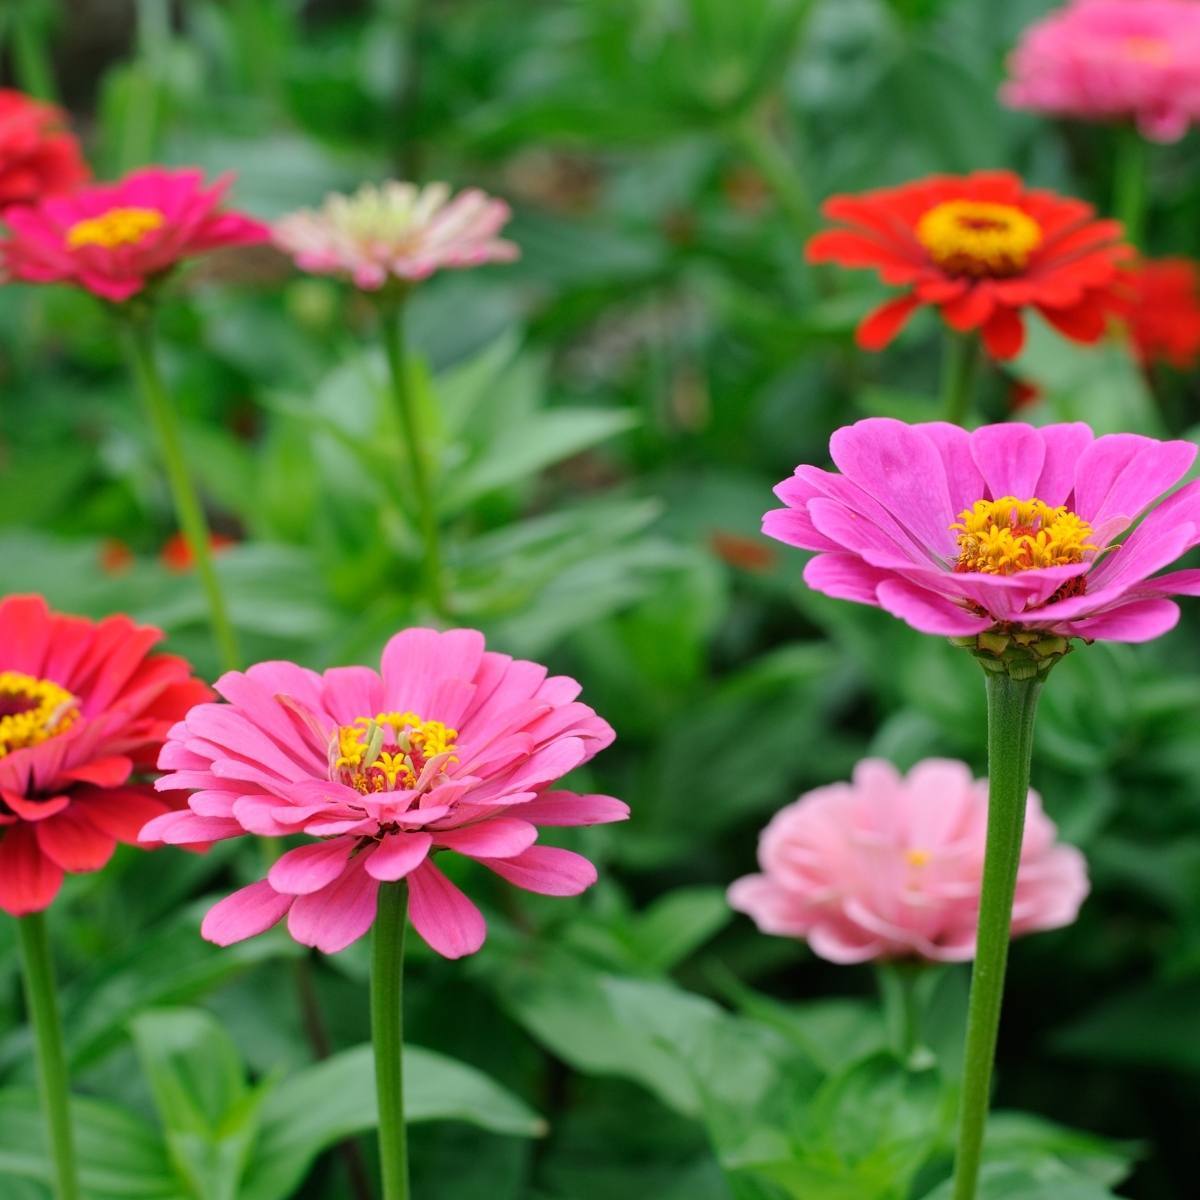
(1047, 1180)
(678, 923)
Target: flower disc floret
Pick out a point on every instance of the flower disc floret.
(973, 238)
(117, 227)
(32, 711)
(1001, 537)
(390, 751)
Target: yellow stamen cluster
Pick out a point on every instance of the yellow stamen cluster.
(973, 237)
(389, 751)
(1001, 537)
(32, 711)
(117, 227)
(918, 858)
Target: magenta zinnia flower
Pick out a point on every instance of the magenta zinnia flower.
(396, 231)
(889, 866)
(1113, 59)
(84, 709)
(114, 238)
(1053, 531)
(450, 747)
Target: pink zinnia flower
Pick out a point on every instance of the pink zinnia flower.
(396, 231)
(38, 155)
(450, 747)
(1049, 531)
(115, 238)
(84, 708)
(890, 866)
(1113, 59)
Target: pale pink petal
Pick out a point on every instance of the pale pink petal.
(246, 913)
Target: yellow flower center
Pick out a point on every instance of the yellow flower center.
(971, 237)
(389, 752)
(1147, 49)
(32, 711)
(918, 858)
(117, 227)
(1002, 537)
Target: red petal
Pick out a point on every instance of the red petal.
(73, 842)
(121, 812)
(1004, 334)
(881, 326)
(28, 879)
(34, 810)
(103, 772)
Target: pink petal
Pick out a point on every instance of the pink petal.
(500, 837)
(245, 914)
(340, 913)
(309, 868)
(928, 612)
(1010, 458)
(1139, 621)
(442, 915)
(567, 808)
(397, 855)
(546, 869)
(185, 827)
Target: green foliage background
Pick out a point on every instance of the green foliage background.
(610, 414)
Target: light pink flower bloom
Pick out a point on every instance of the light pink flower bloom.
(114, 238)
(890, 866)
(450, 747)
(397, 230)
(1011, 527)
(1113, 59)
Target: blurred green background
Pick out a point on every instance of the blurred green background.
(610, 414)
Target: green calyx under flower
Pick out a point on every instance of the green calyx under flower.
(1020, 654)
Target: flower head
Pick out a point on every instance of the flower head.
(1160, 301)
(84, 709)
(38, 156)
(1105, 60)
(396, 231)
(890, 866)
(449, 748)
(1021, 531)
(981, 249)
(115, 238)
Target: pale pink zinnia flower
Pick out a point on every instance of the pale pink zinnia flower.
(396, 231)
(450, 747)
(1052, 531)
(115, 238)
(1113, 59)
(890, 866)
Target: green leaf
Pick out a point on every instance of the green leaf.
(121, 1157)
(335, 1099)
(1048, 1180)
(678, 923)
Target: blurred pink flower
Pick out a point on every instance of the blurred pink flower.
(1113, 59)
(451, 747)
(114, 238)
(1010, 528)
(890, 866)
(396, 230)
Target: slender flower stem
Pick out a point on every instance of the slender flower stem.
(138, 334)
(960, 365)
(1012, 704)
(392, 326)
(1129, 183)
(766, 155)
(901, 1011)
(387, 1033)
(42, 1001)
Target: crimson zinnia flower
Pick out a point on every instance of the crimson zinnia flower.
(448, 748)
(982, 249)
(84, 708)
(1160, 301)
(38, 156)
(115, 238)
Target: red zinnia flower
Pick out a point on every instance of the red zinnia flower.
(84, 707)
(176, 553)
(1161, 303)
(980, 248)
(38, 157)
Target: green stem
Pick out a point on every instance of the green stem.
(392, 326)
(31, 58)
(387, 1033)
(1129, 183)
(139, 344)
(960, 365)
(42, 1000)
(776, 167)
(1012, 704)
(901, 1012)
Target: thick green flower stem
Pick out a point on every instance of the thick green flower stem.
(960, 365)
(1012, 704)
(42, 1001)
(138, 336)
(387, 1033)
(392, 326)
(1129, 182)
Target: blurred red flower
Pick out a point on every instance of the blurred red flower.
(176, 553)
(1161, 305)
(38, 156)
(981, 249)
